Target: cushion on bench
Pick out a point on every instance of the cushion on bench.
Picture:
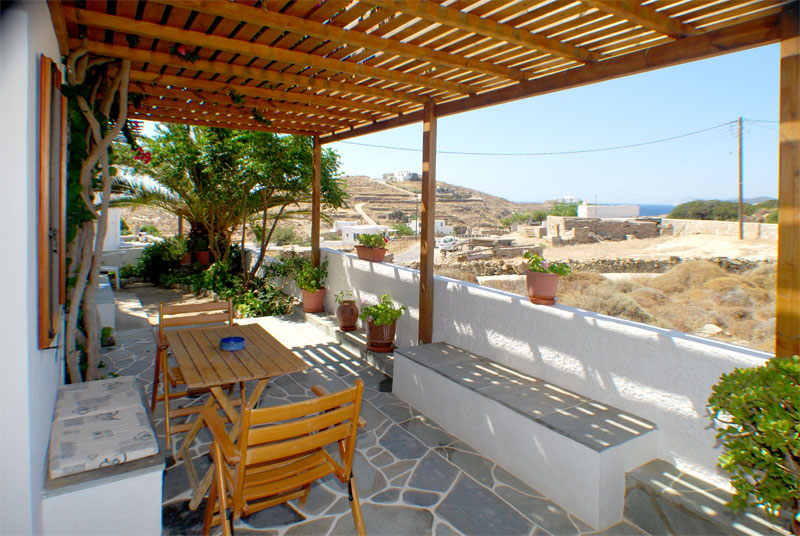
(88, 442)
(101, 396)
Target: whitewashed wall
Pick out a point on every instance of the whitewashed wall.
(29, 377)
(608, 211)
(724, 228)
(664, 376)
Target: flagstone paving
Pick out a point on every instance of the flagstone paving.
(413, 477)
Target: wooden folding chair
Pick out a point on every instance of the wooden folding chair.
(174, 316)
(280, 453)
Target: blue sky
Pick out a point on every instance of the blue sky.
(644, 107)
(640, 108)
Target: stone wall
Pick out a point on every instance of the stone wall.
(723, 228)
(570, 230)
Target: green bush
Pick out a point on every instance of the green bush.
(564, 209)
(758, 416)
(375, 240)
(772, 217)
(124, 230)
(403, 230)
(219, 279)
(311, 278)
(160, 257)
(262, 300)
(150, 229)
(710, 210)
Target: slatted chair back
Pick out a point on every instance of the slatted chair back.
(281, 452)
(193, 314)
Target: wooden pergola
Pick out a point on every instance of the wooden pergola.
(337, 69)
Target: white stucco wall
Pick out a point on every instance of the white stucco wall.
(661, 375)
(29, 377)
(608, 211)
(724, 228)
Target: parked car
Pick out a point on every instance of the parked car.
(448, 243)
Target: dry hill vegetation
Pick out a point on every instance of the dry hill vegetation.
(687, 298)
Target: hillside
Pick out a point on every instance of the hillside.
(457, 205)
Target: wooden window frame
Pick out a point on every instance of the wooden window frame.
(51, 200)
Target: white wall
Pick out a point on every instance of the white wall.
(608, 211)
(724, 228)
(29, 378)
(113, 230)
(663, 376)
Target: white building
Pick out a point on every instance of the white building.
(568, 199)
(439, 227)
(338, 225)
(406, 176)
(608, 211)
(350, 233)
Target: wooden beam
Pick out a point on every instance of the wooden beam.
(255, 96)
(644, 16)
(230, 116)
(162, 117)
(237, 46)
(329, 32)
(787, 299)
(244, 72)
(455, 18)
(263, 93)
(427, 244)
(316, 201)
(231, 110)
(734, 38)
(59, 25)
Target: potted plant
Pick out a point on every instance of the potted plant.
(381, 320)
(347, 312)
(542, 278)
(199, 245)
(372, 247)
(757, 415)
(310, 280)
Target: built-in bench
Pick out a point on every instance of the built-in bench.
(573, 449)
(664, 500)
(104, 466)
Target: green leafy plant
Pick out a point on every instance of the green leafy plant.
(382, 314)
(161, 257)
(311, 278)
(758, 416)
(344, 296)
(263, 300)
(150, 229)
(124, 230)
(376, 240)
(403, 230)
(536, 263)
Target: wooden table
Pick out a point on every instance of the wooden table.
(204, 366)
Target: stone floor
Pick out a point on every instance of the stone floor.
(413, 477)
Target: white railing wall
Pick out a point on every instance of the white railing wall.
(661, 375)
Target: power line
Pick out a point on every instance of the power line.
(554, 153)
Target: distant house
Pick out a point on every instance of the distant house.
(338, 225)
(439, 227)
(608, 211)
(350, 233)
(568, 199)
(406, 176)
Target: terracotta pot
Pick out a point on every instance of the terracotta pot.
(371, 254)
(542, 287)
(380, 338)
(203, 257)
(347, 314)
(186, 259)
(314, 302)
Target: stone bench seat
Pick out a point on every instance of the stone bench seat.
(573, 449)
(104, 466)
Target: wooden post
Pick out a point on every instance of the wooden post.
(180, 226)
(427, 220)
(315, 202)
(787, 328)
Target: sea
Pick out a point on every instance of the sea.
(655, 210)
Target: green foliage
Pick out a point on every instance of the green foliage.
(150, 229)
(535, 216)
(130, 270)
(375, 240)
(758, 411)
(263, 300)
(536, 263)
(214, 178)
(564, 209)
(286, 235)
(711, 210)
(77, 152)
(397, 215)
(311, 278)
(285, 267)
(124, 230)
(403, 230)
(343, 296)
(160, 257)
(382, 314)
(772, 217)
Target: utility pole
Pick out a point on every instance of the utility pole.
(741, 202)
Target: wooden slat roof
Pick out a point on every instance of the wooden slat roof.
(341, 68)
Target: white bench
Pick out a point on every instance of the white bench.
(104, 466)
(573, 449)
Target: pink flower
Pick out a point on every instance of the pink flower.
(182, 50)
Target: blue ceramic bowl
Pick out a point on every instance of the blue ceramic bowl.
(231, 344)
